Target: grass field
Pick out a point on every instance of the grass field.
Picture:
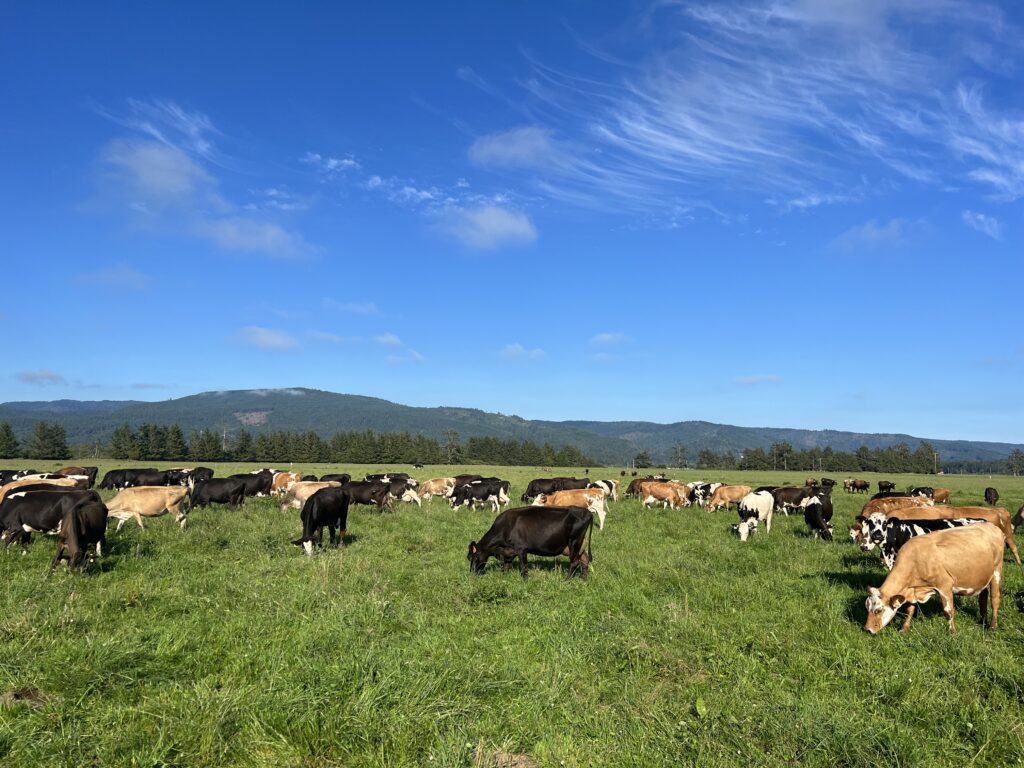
(222, 645)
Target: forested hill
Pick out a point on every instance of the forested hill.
(329, 412)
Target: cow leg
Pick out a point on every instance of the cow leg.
(138, 519)
(983, 605)
(341, 538)
(57, 558)
(994, 590)
(120, 523)
(331, 530)
(910, 615)
(768, 523)
(522, 564)
(949, 608)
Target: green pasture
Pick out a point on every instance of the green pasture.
(222, 645)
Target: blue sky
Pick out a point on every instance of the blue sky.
(788, 213)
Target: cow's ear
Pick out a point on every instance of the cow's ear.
(896, 601)
(472, 547)
(873, 591)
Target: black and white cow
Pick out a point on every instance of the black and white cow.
(818, 515)
(81, 527)
(218, 490)
(754, 508)
(124, 478)
(9, 475)
(490, 490)
(372, 492)
(788, 497)
(328, 508)
(924, 490)
(891, 533)
(23, 513)
(544, 531)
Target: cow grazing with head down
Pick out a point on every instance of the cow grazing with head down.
(991, 496)
(81, 527)
(998, 516)
(671, 495)
(25, 512)
(544, 531)
(818, 515)
(282, 481)
(328, 508)
(886, 485)
(257, 483)
(149, 501)
(610, 487)
(296, 496)
(958, 561)
(726, 495)
(922, 490)
(593, 499)
(755, 508)
(889, 534)
(490, 490)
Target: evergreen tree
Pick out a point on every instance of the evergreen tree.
(8, 442)
(244, 449)
(175, 447)
(642, 460)
(452, 448)
(123, 444)
(679, 455)
(1015, 462)
(205, 446)
(47, 441)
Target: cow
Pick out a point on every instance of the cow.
(544, 531)
(387, 476)
(218, 490)
(726, 495)
(886, 485)
(610, 487)
(54, 481)
(703, 491)
(369, 492)
(463, 479)
(155, 477)
(998, 516)
(1018, 518)
(941, 495)
(327, 507)
(123, 478)
(893, 495)
(404, 490)
(788, 497)
(859, 486)
(439, 486)
(256, 483)
(7, 475)
(671, 495)
(958, 561)
(889, 534)
(200, 473)
(24, 512)
(296, 496)
(810, 481)
(417, 465)
(588, 498)
(89, 473)
(922, 490)
(991, 496)
(487, 491)
(550, 485)
(827, 482)
(818, 514)
(890, 504)
(338, 477)
(283, 481)
(80, 528)
(309, 478)
(148, 501)
(754, 508)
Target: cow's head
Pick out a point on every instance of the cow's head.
(477, 558)
(873, 530)
(746, 528)
(806, 501)
(880, 610)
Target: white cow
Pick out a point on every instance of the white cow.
(753, 508)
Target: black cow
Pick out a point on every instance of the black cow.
(342, 477)
(309, 478)
(463, 479)
(886, 485)
(25, 512)
(417, 465)
(256, 483)
(534, 488)
(490, 490)
(200, 473)
(157, 477)
(363, 492)
(218, 490)
(991, 496)
(545, 531)
(827, 482)
(9, 475)
(1018, 518)
(769, 488)
(81, 527)
(923, 490)
(818, 514)
(327, 507)
(387, 476)
(123, 478)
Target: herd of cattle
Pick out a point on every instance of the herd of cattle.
(928, 546)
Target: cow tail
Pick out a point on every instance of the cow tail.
(590, 539)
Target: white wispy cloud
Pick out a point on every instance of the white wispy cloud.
(120, 276)
(758, 378)
(352, 307)
(328, 165)
(330, 338)
(871, 235)
(267, 338)
(42, 377)
(239, 233)
(526, 147)
(608, 339)
(410, 356)
(519, 352)
(987, 225)
(388, 340)
(486, 227)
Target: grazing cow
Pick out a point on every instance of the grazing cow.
(890, 504)
(893, 495)
(283, 481)
(439, 486)
(487, 491)
(25, 512)
(788, 497)
(703, 491)
(549, 485)
(296, 496)
(256, 483)
(338, 477)
(818, 515)
(998, 516)
(7, 475)
(123, 478)
(404, 490)
(89, 473)
(588, 498)
(610, 487)
(671, 495)
(544, 531)
(889, 534)
(387, 476)
(1018, 518)
(327, 507)
(218, 490)
(369, 492)
(49, 480)
(80, 528)
(754, 508)
(148, 501)
(991, 496)
(859, 486)
(923, 490)
(958, 561)
(726, 495)
(155, 477)
(463, 479)
(417, 465)
(886, 485)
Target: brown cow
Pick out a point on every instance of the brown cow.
(727, 494)
(672, 495)
(958, 561)
(296, 496)
(941, 495)
(887, 505)
(283, 481)
(810, 481)
(592, 499)
(439, 486)
(998, 516)
(148, 501)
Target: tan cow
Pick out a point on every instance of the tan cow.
(887, 505)
(592, 499)
(65, 482)
(148, 501)
(725, 495)
(439, 486)
(958, 561)
(296, 496)
(998, 516)
(941, 495)
(671, 495)
(283, 481)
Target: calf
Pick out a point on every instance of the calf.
(80, 528)
(754, 508)
(218, 490)
(958, 561)
(889, 534)
(991, 496)
(592, 499)
(327, 507)
(544, 531)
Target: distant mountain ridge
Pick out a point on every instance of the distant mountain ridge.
(299, 409)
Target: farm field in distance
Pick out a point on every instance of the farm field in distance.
(223, 645)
